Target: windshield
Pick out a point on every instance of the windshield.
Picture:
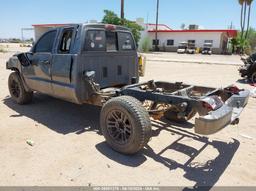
(207, 49)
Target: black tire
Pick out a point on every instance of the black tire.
(253, 77)
(125, 124)
(173, 116)
(17, 90)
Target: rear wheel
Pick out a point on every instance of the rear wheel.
(125, 124)
(17, 90)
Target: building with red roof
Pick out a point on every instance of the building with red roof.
(169, 39)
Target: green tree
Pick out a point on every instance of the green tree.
(252, 38)
(145, 44)
(234, 43)
(111, 18)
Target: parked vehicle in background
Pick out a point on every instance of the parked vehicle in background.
(207, 50)
(98, 64)
(191, 50)
(249, 68)
(182, 48)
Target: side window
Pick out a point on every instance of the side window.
(95, 40)
(111, 41)
(45, 44)
(65, 42)
(125, 41)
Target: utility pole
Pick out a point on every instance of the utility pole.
(22, 32)
(122, 11)
(156, 34)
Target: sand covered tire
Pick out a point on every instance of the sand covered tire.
(17, 90)
(125, 124)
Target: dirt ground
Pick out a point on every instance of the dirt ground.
(68, 149)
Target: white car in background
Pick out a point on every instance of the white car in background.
(182, 49)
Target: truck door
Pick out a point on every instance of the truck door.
(38, 74)
(62, 62)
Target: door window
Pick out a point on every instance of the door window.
(66, 41)
(45, 44)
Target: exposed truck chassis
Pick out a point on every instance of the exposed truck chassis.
(178, 102)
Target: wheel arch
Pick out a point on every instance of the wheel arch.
(17, 70)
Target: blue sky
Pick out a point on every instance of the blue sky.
(212, 14)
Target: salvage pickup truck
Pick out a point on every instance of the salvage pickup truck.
(98, 64)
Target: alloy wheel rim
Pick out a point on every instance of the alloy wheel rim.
(15, 89)
(119, 127)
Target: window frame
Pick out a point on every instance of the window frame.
(209, 42)
(157, 43)
(119, 44)
(84, 47)
(39, 40)
(61, 37)
(117, 41)
(170, 44)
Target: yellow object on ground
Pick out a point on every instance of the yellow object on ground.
(142, 65)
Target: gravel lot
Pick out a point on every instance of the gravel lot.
(68, 149)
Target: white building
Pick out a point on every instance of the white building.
(169, 40)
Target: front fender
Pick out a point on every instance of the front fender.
(13, 63)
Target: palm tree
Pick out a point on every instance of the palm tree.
(243, 15)
(249, 4)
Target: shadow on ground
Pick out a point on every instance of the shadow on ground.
(64, 117)
(60, 116)
(205, 175)
(243, 81)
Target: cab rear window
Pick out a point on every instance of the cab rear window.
(95, 40)
(125, 41)
(100, 40)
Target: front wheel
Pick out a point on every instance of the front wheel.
(17, 90)
(125, 124)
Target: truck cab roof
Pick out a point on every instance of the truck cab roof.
(95, 25)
